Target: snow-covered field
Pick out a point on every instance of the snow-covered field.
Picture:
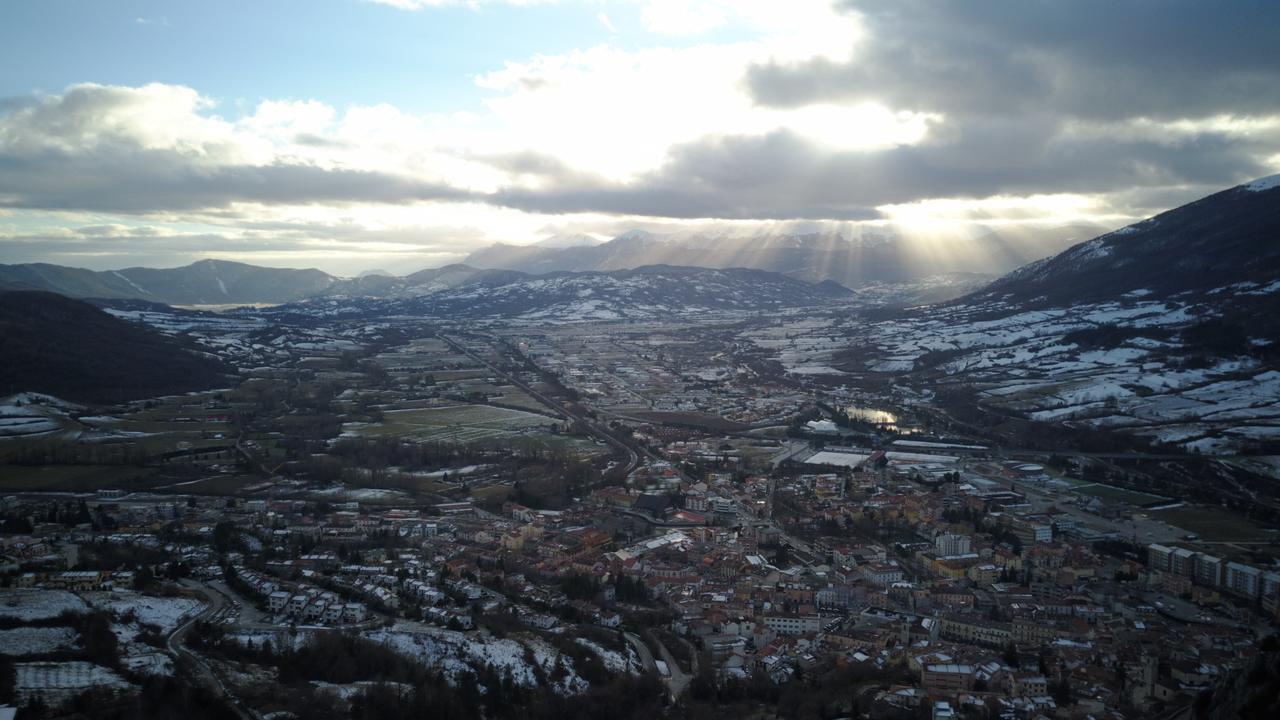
(1026, 363)
(131, 611)
(56, 681)
(27, 604)
(37, 640)
(167, 613)
(18, 420)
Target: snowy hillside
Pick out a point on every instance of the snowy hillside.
(651, 292)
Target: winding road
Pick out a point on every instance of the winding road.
(216, 605)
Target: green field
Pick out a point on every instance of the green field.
(476, 423)
(519, 399)
(1214, 524)
(161, 426)
(491, 494)
(76, 478)
(456, 375)
(217, 485)
(1115, 494)
(457, 423)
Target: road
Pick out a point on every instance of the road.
(678, 680)
(642, 650)
(217, 604)
(633, 454)
(792, 449)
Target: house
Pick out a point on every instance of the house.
(314, 611)
(951, 678)
(332, 614)
(353, 613)
(793, 624)
(296, 605)
(1028, 685)
(277, 600)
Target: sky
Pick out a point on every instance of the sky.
(401, 134)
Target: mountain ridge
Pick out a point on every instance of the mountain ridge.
(70, 349)
(205, 282)
(646, 292)
(879, 257)
(811, 257)
(1223, 249)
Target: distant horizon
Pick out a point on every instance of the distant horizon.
(347, 272)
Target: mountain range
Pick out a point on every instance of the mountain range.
(208, 282)
(874, 259)
(1222, 246)
(651, 292)
(882, 256)
(1100, 334)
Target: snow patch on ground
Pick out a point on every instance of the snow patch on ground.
(612, 659)
(456, 653)
(57, 681)
(27, 605)
(350, 690)
(152, 663)
(37, 640)
(167, 613)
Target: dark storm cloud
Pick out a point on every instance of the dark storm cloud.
(784, 176)
(528, 163)
(1103, 59)
(138, 180)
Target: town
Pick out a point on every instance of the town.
(566, 509)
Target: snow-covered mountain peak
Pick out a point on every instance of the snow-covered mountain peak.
(1266, 183)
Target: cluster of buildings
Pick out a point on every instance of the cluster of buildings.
(954, 591)
(1183, 571)
(644, 368)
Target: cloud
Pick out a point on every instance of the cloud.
(152, 149)
(333, 246)
(1092, 97)
(962, 111)
(1104, 59)
(784, 175)
(129, 180)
